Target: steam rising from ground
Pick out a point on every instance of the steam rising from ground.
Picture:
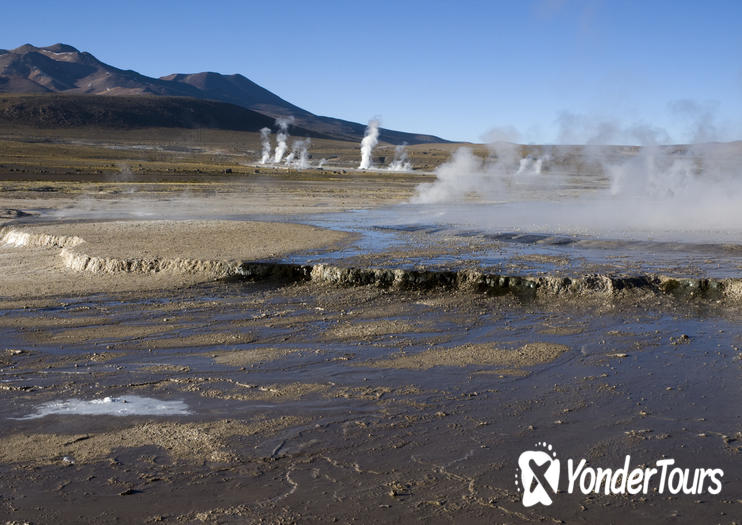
(282, 137)
(595, 188)
(265, 140)
(467, 175)
(299, 156)
(401, 162)
(530, 166)
(369, 142)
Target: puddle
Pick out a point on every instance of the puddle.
(503, 237)
(507, 239)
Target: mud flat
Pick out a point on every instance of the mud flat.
(315, 382)
(304, 400)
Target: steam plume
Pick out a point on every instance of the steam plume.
(369, 142)
(302, 148)
(502, 175)
(651, 190)
(265, 140)
(401, 162)
(529, 166)
(282, 137)
(299, 156)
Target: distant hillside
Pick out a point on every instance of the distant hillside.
(63, 69)
(246, 93)
(125, 112)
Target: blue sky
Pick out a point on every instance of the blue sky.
(455, 69)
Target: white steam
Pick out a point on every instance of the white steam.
(369, 142)
(265, 140)
(502, 175)
(649, 191)
(401, 161)
(530, 166)
(299, 156)
(282, 138)
(302, 155)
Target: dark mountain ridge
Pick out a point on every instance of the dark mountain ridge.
(62, 69)
(53, 110)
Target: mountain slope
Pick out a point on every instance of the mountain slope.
(52, 110)
(63, 69)
(236, 89)
(242, 91)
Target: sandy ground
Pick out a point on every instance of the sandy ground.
(198, 240)
(278, 193)
(480, 355)
(47, 260)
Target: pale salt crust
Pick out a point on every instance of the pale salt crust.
(111, 406)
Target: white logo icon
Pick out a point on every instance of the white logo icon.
(539, 475)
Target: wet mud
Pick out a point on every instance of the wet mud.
(352, 367)
(310, 401)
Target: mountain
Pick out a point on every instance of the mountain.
(242, 91)
(65, 70)
(52, 110)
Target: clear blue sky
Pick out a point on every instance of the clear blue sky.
(453, 68)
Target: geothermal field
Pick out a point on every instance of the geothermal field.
(242, 327)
